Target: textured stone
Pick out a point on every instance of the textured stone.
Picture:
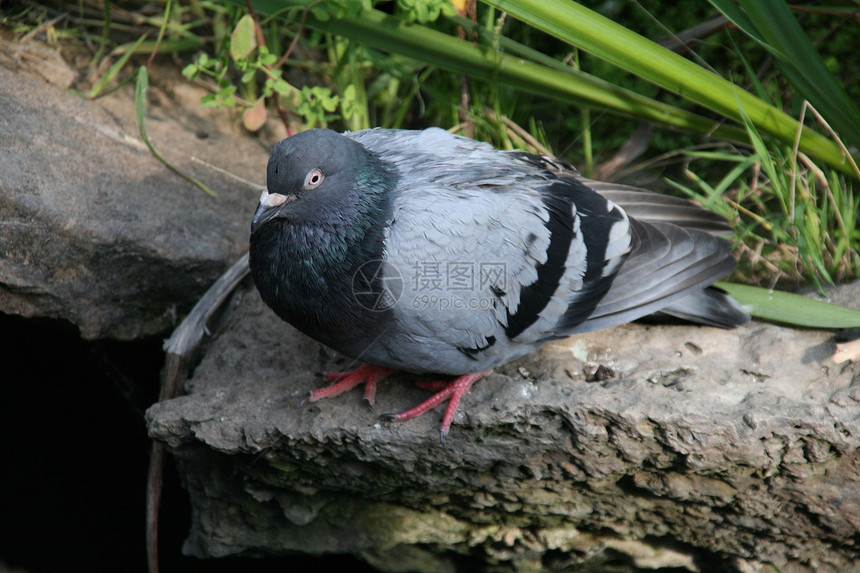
(737, 447)
(96, 231)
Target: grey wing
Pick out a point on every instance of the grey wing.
(676, 254)
(638, 203)
(526, 265)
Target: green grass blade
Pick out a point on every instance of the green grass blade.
(103, 40)
(179, 46)
(112, 72)
(791, 308)
(626, 49)
(141, 87)
(738, 17)
(772, 24)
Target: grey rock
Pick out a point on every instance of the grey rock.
(95, 230)
(740, 446)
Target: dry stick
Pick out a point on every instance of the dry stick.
(180, 349)
(848, 157)
(258, 28)
(225, 173)
(681, 41)
(295, 41)
(526, 136)
(637, 143)
(632, 149)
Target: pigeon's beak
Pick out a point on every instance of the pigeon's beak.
(266, 209)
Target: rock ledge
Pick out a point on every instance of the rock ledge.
(736, 447)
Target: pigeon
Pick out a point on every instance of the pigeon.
(431, 253)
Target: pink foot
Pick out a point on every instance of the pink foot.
(451, 391)
(366, 374)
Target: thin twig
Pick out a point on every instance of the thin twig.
(41, 28)
(633, 148)
(226, 173)
(180, 350)
(837, 139)
(519, 130)
(819, 175)
(298, 35)
(258, 28)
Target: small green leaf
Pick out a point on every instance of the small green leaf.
(792, 308)
(191, 71)
(243, 40)
(282, 87)
(320, 13)
(330, 104)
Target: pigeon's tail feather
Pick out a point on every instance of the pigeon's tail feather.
(711, 306)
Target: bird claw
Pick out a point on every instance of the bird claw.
(337, 376)
(366, 374)
(451, 391)
(307, 397)
(369, 375)
(368, 402)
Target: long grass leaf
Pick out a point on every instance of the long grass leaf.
(739, 18)
(141, 87)
(791, 308)
(594, 33)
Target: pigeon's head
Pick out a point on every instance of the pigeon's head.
(312, 176)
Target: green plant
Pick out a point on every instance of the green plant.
(793, 221)
(239, 66)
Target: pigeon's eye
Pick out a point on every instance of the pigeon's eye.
(314, 178)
